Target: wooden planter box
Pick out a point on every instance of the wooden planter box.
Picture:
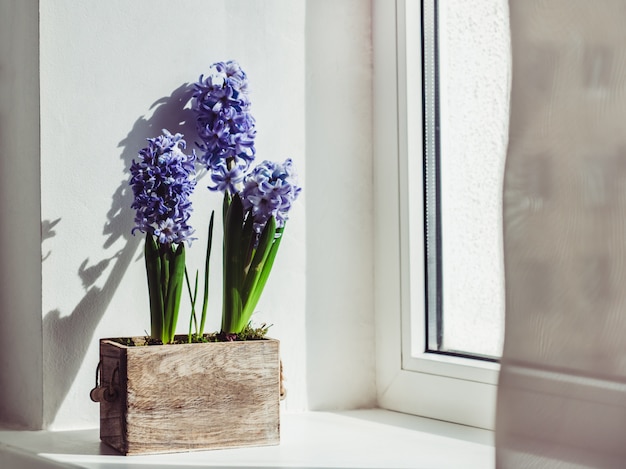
(188, 397)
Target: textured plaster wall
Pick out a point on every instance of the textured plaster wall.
(475, 80)
(112, 74)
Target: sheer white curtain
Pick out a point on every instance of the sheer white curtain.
(562, 391)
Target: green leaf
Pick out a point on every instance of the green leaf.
(257, 290)
(247, 243)
(256, 266)
(192, 298)
(153, 271)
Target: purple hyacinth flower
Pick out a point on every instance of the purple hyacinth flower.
(162, 179)
(223, 120)
(269, 190)
(227, 179)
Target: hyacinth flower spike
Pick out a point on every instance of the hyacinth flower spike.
(162, 179)
(253, 230)
(256, 201)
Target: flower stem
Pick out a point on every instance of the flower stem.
(205, 299)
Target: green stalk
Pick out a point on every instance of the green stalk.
(225, 207)
(153, 271)
(174, 291)
(164, 255)
(233, 266)
(205, 299)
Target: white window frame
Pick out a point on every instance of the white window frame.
(454, 389)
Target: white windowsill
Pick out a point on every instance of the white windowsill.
(353, 439)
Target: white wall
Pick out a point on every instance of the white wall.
(112, 74)
(21, 398)
(340, 320)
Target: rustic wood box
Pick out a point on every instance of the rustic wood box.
(188, 397)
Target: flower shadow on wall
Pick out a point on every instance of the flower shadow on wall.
(67, 337)
(47, 232)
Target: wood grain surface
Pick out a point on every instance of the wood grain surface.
(186, 397)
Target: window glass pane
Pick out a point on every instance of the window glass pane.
(469, 126)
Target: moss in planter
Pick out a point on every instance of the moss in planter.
(253, 333)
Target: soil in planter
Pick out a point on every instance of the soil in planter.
(249, 333)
